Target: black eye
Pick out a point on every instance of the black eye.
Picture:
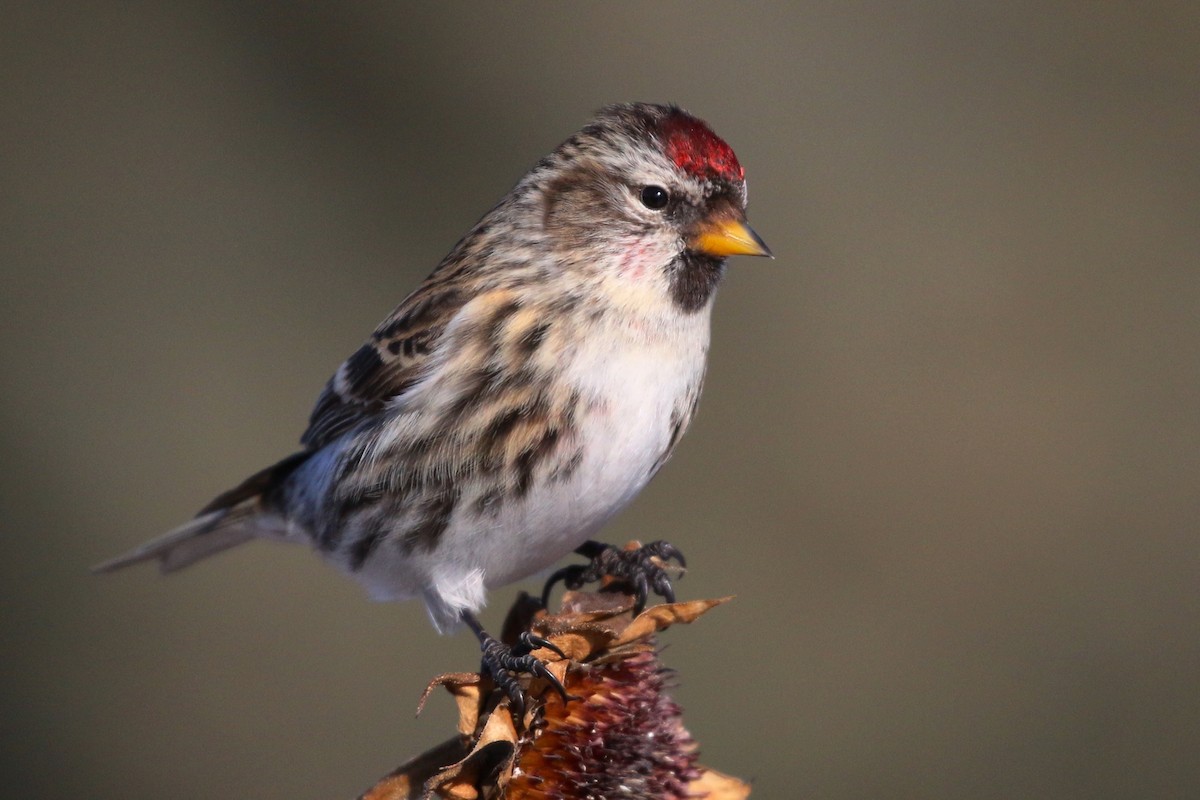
(655, 197)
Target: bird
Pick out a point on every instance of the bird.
(522, 395)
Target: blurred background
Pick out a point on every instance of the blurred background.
(947, 458)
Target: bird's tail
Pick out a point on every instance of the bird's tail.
(234, 517)
(206, 535)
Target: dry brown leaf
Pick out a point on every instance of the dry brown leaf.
(658, 618)
(492, 755)
(407, 782)
(467, 690)
(594, 605)
(581, 643)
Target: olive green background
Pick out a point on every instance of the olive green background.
(948, 457)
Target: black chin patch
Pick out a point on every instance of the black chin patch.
(694, 278)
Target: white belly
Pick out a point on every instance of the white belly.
(624, 436)
(633, 396)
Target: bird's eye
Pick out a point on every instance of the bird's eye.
(655, 197)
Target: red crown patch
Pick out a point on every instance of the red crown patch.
(695, 149)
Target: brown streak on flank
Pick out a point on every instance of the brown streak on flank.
(521, 329)
(492, 308)
(529, 459)
(501, 428)
(472, 392)
(481, 322)
(490, 501)
(491, 382)
(532, 338)
(436, 513)
(352, 502)
(424, 445)
(367, 543)
(523, 437)
(566, 467)
(676, 430)
(495, 442)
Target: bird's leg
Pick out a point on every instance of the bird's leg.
(504, 663)
(643, 569)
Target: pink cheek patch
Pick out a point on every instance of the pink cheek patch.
(634, 261)
(695, 149)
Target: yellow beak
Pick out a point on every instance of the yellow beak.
(729, 237)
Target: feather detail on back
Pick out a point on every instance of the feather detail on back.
(389, 363)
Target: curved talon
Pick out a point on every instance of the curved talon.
(542, 671)
(571, 576)
(663, 587)
(643, 569)
(641, 591)
(531, 641)
(667, 551)
(503, 662)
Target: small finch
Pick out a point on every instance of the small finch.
(524, 393)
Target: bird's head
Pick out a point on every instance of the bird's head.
(649, 195)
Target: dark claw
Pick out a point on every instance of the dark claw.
(531, 641)
(664, 589)
(572, 578)
(504, 663)
(635, 567)
(667, 551)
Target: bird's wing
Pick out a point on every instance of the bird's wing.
(389, 363)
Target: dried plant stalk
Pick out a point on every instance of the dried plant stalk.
(621, 735)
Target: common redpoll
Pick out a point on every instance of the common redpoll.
(524, 393)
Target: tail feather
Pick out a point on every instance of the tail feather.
(234, 517)
(199, 538)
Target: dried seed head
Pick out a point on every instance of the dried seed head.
(624, 737)
(620, 736)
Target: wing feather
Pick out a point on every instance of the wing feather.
(390, 362)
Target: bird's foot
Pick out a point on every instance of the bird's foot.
(504, 664)
(643, 569)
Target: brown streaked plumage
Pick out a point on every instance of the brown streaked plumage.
(526, 391)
